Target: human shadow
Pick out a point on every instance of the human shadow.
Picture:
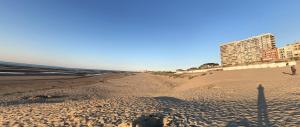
(287, 73)
(262, 113)
(262, 116)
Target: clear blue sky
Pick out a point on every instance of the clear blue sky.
(137, 34)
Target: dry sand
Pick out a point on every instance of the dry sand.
(218, 98)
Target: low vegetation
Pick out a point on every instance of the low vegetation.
(203, 66)
(174, 75)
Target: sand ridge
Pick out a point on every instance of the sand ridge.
(217, 98)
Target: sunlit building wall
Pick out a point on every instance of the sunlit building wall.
(246, 51)
(290, 51)
(270, 54)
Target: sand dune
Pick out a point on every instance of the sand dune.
(217, 98)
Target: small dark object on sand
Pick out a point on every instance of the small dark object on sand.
(152, 120)
(293, 69)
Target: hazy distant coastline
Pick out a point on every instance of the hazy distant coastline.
(22, 69)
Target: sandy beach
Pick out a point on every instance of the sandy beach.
(216, 98)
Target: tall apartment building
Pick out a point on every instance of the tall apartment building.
(270, 54)
(289, 51)
(246, 51)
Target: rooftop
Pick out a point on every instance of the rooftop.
(247, 38)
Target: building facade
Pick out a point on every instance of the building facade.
(290, 51)
(270, 54)
(281, 53)
(247, 51)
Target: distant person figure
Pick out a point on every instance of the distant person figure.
(293, 69)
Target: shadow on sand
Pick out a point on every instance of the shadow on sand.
(169, 99)
(240, 123)
(262, 113)
(262, 116)
(35, 99)
(287, 73)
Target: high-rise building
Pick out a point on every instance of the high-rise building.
(247, 51)
(290, 51)
(270, 54)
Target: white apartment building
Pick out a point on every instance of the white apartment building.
(289, 51)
